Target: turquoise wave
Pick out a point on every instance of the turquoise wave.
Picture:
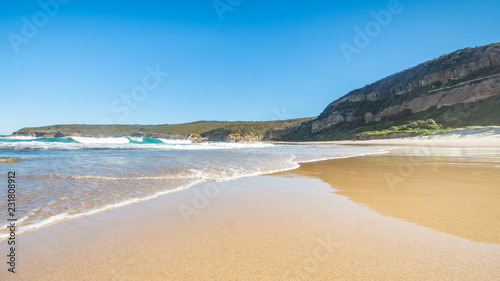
(144, 140)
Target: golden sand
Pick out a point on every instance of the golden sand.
(292, 226)
(465, 138)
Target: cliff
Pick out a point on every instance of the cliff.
(447, 89)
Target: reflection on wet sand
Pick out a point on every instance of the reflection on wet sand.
(456, 191)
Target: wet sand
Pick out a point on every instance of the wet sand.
(330, 220)
(456, 191)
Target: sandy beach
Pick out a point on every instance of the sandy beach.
(250, 140)
(412, 214)
(467, 137)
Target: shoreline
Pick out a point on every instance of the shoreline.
(480, 136)
(426, 141)
(55, 219)
(431, 141)
(394, 144)
(305, 227)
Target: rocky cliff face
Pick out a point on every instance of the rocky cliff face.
(465, 92)
(463, 76)
(236, 138)
(270, 135)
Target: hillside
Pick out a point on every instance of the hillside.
(201, 130)
(456, 90)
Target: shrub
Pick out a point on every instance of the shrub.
(418, 127)
(432, 125)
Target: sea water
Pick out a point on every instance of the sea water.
(69, 177)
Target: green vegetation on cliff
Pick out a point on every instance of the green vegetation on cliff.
(413, 128)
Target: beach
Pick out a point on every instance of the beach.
(361, 218)
(250, 140)
(465, 137)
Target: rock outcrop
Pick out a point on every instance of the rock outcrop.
(149, 135)
(269, 135)
(236, 138)
(276, 134)
(332, 119)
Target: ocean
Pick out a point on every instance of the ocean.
(63, 178)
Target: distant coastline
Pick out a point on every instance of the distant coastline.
(483, 135)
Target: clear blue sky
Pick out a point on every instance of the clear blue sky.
(263, 60)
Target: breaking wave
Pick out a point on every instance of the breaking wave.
(126, 142)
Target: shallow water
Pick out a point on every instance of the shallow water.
(61, 178)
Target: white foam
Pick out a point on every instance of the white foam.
(124, 143)
(137, 139)
(89, 140)
(65, 216)
(39, 145)
(192, 175)
(176, 141)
